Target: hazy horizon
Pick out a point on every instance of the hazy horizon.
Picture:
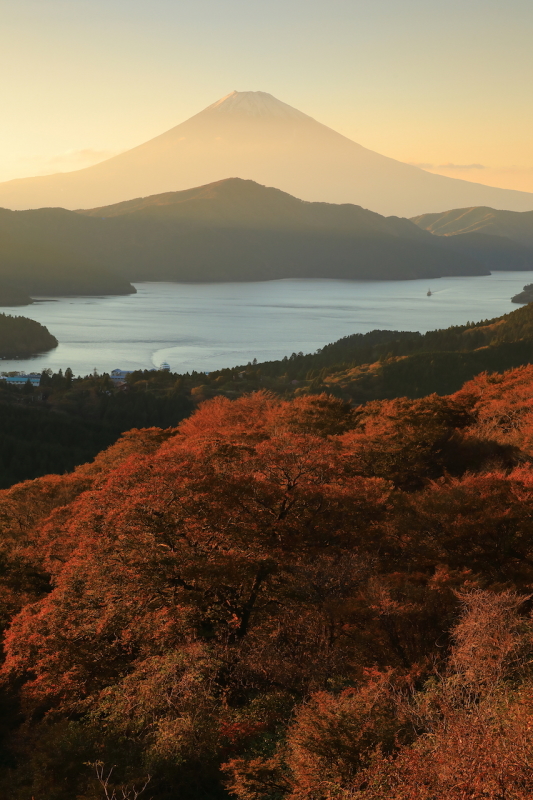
(256, 136)
(444, 88)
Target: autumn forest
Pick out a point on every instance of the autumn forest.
(279, 599)
(231, 571)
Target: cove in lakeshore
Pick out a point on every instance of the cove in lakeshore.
(204, 327)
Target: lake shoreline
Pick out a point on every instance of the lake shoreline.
(204, 326)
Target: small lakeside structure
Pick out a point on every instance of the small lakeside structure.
(118, 376)
(21, 380)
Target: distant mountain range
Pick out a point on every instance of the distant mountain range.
(512, 225)
(252, 135)
(232, 230)
(237, 230)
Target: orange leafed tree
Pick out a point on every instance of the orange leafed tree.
(311, 594)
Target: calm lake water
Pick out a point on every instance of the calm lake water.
(208, 326)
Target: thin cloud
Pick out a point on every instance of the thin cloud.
(84, 156)
(449, 165)
(64, 162)
(461, 166)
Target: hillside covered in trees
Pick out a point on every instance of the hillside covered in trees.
(515, 226)
(21, 337)
(37, 260)
(380, 364)
(68, 420)
(279, 600)
(525, 296)
(9, 296)
(231, 230)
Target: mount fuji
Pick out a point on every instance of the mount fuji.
(252, 135)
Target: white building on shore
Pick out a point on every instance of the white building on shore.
(119, 375)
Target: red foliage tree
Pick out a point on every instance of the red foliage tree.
(259, 584)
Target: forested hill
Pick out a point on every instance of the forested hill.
(21, 337)
(36, 259)
(227, 209)
(68, 420)
(9, 296)
(388, 364)
(238, 230)
(278, 599)
(512, 225)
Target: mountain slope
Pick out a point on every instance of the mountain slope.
(253, 135)
(236, 230)
(246, 204)
(385, 364)
(482, 220)
(36, 259)
(381, 364)
(239, 204)
(9, 296)
(495, 252)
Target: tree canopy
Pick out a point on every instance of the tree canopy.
(279, 599)
(21, 337)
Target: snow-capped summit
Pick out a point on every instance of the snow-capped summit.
(258, 104)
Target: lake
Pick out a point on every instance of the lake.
(208, 326)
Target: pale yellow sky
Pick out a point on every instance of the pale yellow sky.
(446, 86)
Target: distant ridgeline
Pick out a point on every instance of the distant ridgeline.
(21, 337)
(496, 237)
(37, 260)
(379, 365)
(235, 230)
(10, 296)
(516, 226)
